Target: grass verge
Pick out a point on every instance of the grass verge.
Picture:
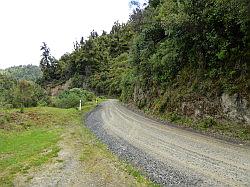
(30, 139)
(98, 158)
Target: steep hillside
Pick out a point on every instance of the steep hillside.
(173, 59)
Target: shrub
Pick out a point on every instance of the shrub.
(173, 117)
(71, 98)
(20, 93)
(28, 94)
(208, 122)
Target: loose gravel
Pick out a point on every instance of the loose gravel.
(125, 140)
(157, 171)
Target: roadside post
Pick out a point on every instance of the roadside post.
(80, 107)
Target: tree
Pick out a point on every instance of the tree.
(48, 64)
(23, 93)
(28, 94)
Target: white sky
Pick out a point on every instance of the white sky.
(25, 24)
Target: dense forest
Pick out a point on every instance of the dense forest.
(184, 57)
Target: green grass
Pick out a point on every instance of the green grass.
(20, 151)
(93, 155)
(30, 139)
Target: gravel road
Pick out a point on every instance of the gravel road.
(169, 155)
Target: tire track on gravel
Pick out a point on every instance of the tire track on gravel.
(204, 160)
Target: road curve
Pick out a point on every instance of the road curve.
(169, 155)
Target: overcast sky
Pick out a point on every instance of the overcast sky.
(25, 24)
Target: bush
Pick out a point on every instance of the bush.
(71, 98)
(173, 117)
(28, 94)
(20, 93)
(208, 123)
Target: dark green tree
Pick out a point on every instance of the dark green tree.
(48, 64)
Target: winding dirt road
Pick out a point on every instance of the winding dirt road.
(208, 161)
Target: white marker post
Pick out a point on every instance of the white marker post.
(80, 107)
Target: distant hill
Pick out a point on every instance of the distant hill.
(23, 72)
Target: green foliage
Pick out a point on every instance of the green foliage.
(29, 72)
(208, 122)
(77, 81)
(109, 81)
(182, 43)
(166, 54)
(48, 65)
(29, 140)
(20, 93)
(174, 117)
(127, 86)
(72, 97)
(6, 86)
(28, 94)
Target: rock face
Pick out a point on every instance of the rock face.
(236, 107)
(233, 107)
(56, 90)
(201, 107)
